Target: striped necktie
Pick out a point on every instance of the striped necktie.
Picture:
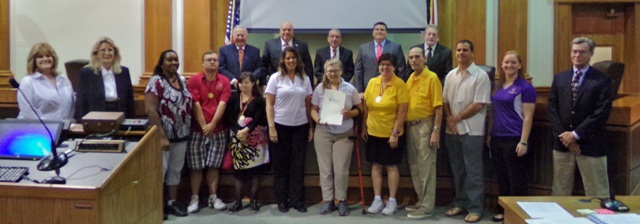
(575, 86)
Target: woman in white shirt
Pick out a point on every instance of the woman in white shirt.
(44, 91)
(288, 95)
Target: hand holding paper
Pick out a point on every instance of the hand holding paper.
(332, 106)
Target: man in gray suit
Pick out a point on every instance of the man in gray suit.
(334, 50)
(367, 60)
(439, 57)
(273, 49)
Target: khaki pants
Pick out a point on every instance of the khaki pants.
(592, 169)
(334, 159)
(422, 162)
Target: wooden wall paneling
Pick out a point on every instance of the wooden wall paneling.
(631, 80)
(590, 19)
(563, 37)
(470, 23)
(5, 56)
(512, 29)
(157, 34)
(219, 11)
(445, 23)
(197, 34)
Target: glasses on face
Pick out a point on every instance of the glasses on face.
(211, 60)
(333, 71)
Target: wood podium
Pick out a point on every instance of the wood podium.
(101, 188)
(513, 214)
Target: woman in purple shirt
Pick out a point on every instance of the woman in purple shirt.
(513, 101)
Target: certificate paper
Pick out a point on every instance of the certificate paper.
(332, 106)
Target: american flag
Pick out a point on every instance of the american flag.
(432, 12)
(233, 19)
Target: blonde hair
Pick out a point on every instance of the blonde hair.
(41, 49)
(331, 62)
(96, 63)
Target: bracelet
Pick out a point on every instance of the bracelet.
(395, 132)
(523, 143)
(436, 127)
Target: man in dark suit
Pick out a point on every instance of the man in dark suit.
(367, 59)
(273, 50)
(439, 57)
(579, 106)
(230, 65)
(334, 50)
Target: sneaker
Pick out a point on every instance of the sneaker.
(194, 205)
(419, 214)
(376, 206)
(392, 207)
(412, 208)
(327, 208)
(216, 203)
(343, 208)
(176, 210)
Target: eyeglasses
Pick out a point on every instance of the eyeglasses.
(333, 71)
(212, 60)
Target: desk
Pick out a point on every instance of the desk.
(513, 214)
(130, 192)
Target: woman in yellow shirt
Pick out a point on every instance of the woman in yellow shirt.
(386, 100)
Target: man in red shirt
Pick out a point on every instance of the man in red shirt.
(209, 136)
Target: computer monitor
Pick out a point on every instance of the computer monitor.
(27, 139)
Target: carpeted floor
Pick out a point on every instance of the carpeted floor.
(269, 214)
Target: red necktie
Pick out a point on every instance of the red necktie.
(378, 51)
(240, 57)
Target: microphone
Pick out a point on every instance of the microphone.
(611, 203)
(53, 161)
(14, 83)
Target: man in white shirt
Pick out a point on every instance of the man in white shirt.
(466, 91)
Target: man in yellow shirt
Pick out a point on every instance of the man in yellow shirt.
(423, 135)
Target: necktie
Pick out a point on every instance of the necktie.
(285, 45)
(240, 57)
(335, 53)
(378, 51)
(429, 53)
(575, 84)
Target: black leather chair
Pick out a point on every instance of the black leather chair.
(73, 70)
(615, 70)
(491, 71)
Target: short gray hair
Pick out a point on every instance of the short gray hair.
(336, 30)
(583, 40)
(432, 26)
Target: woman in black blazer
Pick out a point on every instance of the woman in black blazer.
(104, 85)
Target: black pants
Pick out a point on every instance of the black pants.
(510, 169)
(287, 162)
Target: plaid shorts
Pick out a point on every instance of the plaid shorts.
(207, 151)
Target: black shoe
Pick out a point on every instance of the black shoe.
(343, 208)
(236, 207)
(254, 206)
(176, 210)
(301, 208)
(284, 208)
(327, 208)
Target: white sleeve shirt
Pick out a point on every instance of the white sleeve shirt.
(50, 102)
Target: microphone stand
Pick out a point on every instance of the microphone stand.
(53, 161)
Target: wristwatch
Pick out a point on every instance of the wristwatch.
(395, 133)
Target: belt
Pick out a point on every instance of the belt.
(417, 122)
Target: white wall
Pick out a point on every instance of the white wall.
(73, 26)
(540, 41)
